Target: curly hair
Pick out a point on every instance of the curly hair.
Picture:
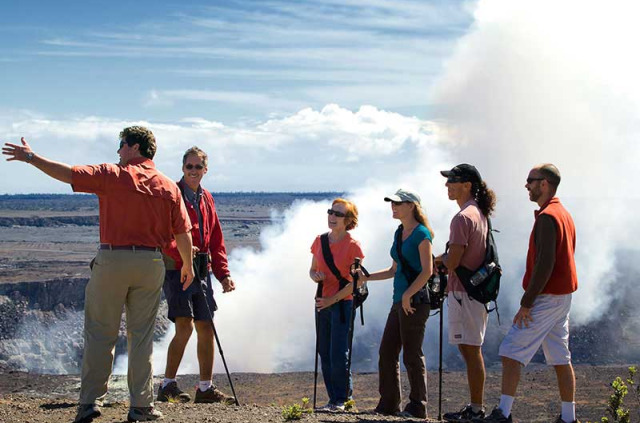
(352, 212)
(196, 152)
(484, 196)
(143, 137)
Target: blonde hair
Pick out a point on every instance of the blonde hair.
(420, 216)
(352, 212)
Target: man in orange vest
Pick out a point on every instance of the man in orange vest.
(549, 281)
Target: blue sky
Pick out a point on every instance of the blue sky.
(225, 61)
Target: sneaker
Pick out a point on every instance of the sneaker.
(211, 395)
(496, 416)
(338, 408)
(465, 415)
(559, 420)
(171, 393)
(86, 413)
(383, 412)
(409, 415)
(143, 414)
(327, 407)
(404, 414)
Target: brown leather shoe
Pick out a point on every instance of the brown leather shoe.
(172, 393)
(211, 395)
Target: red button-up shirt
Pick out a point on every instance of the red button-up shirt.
(138, 204)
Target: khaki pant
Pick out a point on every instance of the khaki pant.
(132, 279)
(406, 333)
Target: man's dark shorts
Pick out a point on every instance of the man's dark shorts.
(189, 303)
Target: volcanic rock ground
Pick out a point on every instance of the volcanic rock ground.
(55, 237)
(28, 397)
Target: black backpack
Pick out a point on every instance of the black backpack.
(360, 294)
(483, 284)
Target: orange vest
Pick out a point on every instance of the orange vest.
(563, 279)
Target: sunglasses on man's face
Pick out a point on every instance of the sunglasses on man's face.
(190, 166)
(122, 144)
(335, 213)
(530, 180)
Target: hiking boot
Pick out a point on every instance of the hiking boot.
(465, 415)
(496, 416)
(86, 413)
(211, 395)
(559, 420)
(171, 393)
(143, 414)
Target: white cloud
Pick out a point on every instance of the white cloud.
(337, 140)
(534, 82)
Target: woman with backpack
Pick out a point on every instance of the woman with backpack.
(334, 300)
(410, 269)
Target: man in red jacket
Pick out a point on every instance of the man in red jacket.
(195, 305)
(549, 281)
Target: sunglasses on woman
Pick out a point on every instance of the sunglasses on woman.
(335, 213)
(190, 166)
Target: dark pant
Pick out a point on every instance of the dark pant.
(196, 302)
(406, 333)
(333, 347)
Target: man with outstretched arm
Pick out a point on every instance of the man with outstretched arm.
(141, 210)
(196, 304)
(543, 318)
(467, 247)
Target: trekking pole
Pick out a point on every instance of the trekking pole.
(440, 368)
(443, 285)
(213, 326)
(315, 371)
(354, 272)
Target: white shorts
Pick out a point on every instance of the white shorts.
(549, 328)
(467, 319)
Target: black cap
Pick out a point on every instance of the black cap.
(462, 173)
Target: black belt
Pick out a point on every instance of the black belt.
(128, 247)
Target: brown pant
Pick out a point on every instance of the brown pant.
(406, 333)
(133, 280)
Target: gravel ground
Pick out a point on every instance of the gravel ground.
(51, 398)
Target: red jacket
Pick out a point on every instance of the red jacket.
(213, 241)
(564, 278)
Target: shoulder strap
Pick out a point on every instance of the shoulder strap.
(328, 259)
(406, 267)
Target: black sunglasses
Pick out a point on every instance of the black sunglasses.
(190, 166)
(336, 213)
(529, 180)
(398, 203)
(122, 143)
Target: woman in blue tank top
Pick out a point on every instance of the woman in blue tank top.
(410, 269)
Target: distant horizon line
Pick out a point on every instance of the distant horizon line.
(51, 194)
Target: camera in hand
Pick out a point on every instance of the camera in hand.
(200, 265)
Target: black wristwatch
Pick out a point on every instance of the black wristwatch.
(29, 157)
